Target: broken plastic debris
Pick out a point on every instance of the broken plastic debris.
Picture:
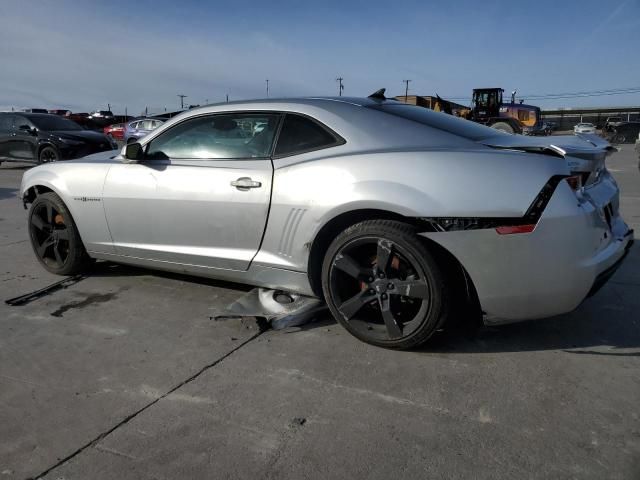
(281, 309)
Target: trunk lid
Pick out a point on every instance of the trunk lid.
(585, 153)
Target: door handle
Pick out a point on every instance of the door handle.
(245, 183)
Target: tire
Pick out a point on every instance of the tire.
(54, 237)
(619, 139)
(503, 126)
(398, 305)
(48, 154)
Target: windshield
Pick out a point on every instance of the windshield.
(442, 121)
(53, 123)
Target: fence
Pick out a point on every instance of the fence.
(566, 119)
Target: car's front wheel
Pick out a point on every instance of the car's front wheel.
(54, 236)
(382, 284)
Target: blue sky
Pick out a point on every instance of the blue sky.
(83, 55)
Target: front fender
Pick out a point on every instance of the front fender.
(80, 187)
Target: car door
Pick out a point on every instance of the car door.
(6, 128)
(200, 196)
(20, 143)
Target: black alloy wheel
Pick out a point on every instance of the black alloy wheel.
(383, 286)
(54, 237)
(47, 155)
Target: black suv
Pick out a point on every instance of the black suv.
(40, 138)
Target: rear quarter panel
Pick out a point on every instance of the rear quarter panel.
(470, 183)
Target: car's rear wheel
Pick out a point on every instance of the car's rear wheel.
(619, 138)
(48, 154)
(382, 284)
(54, 236)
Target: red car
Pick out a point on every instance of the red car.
(116, 131)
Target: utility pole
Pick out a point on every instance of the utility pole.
(109, 106)
(267, 80)
(340, 85)
(406, 89)
(182, 97)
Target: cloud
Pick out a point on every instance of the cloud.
(82, 55)
(86, 62)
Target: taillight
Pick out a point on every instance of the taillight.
(508, 230)
(575, 182)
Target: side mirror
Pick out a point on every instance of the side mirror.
(133, 151)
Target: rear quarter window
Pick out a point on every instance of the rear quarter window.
(301, 134)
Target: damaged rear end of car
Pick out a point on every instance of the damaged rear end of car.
(563, 249)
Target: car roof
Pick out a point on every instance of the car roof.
(37, 115)
(361, 121)
(324, 102)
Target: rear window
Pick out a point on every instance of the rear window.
(442, 121)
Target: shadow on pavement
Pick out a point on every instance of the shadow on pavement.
(585, 329)
(107, 269)
(19, 166)
(8, 193)
(580, 332)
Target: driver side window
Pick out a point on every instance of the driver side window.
(223, 136)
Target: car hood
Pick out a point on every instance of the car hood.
(80, 135)
(108, 156)
(585, 146)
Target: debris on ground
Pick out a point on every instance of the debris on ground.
(281, 309)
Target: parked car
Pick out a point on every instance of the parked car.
(584, 128)
(115, 131)
(85, 121)
(139, 128)
(105, 114)
(35, 110)
(612, 121)
(41, 138)
(395, 214)
(61, 112)
(624, 132)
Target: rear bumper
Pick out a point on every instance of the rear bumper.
(604, 276)
(573, 250)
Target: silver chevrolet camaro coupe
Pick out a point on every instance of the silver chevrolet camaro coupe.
(394, 214)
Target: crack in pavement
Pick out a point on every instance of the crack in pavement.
(127, 419)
